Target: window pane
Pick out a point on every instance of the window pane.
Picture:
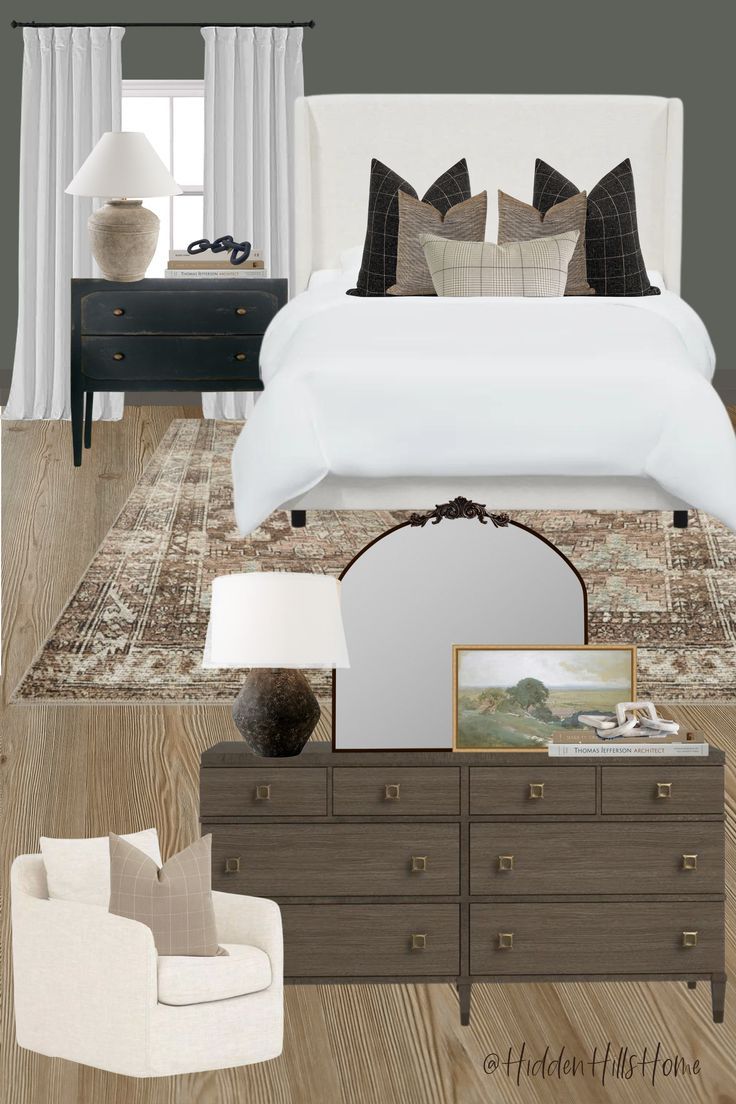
(151, 115)
(188, 140)
(188, 219)
(161, 256)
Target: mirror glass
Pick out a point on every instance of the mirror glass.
(416, 591)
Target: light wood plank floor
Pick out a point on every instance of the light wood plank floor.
(74, 771)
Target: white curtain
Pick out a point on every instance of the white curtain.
(71, 95)
(252, 76)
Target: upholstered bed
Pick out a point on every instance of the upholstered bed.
(520, 403)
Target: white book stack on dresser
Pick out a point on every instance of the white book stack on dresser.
(213, 266)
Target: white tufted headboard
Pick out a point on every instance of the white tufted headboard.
(420, 136)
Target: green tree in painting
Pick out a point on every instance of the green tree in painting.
(489, 700)
(529, 693)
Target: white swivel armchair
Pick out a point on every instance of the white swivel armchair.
(90, 987)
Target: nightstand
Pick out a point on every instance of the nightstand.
(166, 335)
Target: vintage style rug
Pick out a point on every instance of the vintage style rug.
(134, 629)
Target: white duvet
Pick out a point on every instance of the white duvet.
(433, 387)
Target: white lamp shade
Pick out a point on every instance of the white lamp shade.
(123, 164)
(275, 619)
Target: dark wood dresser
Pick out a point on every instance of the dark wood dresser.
(166, 335)
(462, 868)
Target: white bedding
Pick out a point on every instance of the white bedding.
(433, 387)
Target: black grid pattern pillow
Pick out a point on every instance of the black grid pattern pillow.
(535, 268)
(378, 267)
(613, 254)
(175, 902)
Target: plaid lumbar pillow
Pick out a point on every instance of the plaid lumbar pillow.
(378, 268)
(530, 269)
(465, 221)
(175, 901)
(612, 251)
(518, 221)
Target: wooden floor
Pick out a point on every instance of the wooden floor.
(76, 771)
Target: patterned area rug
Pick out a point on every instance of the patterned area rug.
(134, 629)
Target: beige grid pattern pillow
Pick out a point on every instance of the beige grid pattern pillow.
(518, 221)
(530, 269)
(465, 221)
(175, 901)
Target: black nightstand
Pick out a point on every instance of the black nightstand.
(166, 335)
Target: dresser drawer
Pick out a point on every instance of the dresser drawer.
(174, 312)
(642, 938)
(175, 358)
(509, 859)
(676, 789)
(532, 790)
(336, 860)
(387, 791)
(371, 940)
(263, 793)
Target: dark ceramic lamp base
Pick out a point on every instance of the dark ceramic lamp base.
(276, 711)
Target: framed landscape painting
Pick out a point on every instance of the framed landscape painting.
(515, 698)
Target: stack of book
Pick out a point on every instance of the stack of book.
(208, 266)
(571, 744)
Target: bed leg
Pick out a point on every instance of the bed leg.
(298, 519)
(679, 519)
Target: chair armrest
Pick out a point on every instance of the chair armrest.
(255, 921)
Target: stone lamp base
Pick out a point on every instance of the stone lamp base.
(123, 235)
(276, 711)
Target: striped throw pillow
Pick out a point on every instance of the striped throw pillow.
(535, 268)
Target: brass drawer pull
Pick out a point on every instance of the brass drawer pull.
(536, 790)
(232, 866)
(689, 862)
(505, 862)
(392, 793)
(664, 789)
(690, 939)
(418, 941)
(240, 310)
(118, 312)
(240, 356)
(263, 793)
(118, 356)
(418, 864)
(505, 941)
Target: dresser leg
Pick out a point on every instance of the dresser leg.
(464, 992)
(692, 984)
(89, 401)
(680, 519)
(77, 411)
(298, 519)
(718, 996)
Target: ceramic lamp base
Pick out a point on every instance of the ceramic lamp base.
(123, 236)
(276, 711)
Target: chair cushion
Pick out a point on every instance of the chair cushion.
(79, 869)
(188, 980)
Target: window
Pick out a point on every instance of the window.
(171, 115)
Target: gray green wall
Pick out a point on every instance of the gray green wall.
(660, 47)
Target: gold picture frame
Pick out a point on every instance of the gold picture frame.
(526, 726)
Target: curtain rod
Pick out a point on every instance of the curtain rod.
(33, 23)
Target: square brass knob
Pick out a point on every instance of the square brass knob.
(505, 862)
(418, 941)
(263, 793)
(689, 862)
(418, 863)
(536, 790)
(664, 789)
(392, 792)
(505, 941)
(690, 939)
(232, 866)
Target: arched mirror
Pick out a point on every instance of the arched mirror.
(457, 575)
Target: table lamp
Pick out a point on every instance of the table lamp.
(123, 233)
(275, 622)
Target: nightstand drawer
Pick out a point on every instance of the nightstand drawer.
(662, 789)
(536, 791)
(266, 792)
(371, 940)
(336, 860)
(628, 938)
(402, 791)
(509, 859)
(195, 311)
(132, 359)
